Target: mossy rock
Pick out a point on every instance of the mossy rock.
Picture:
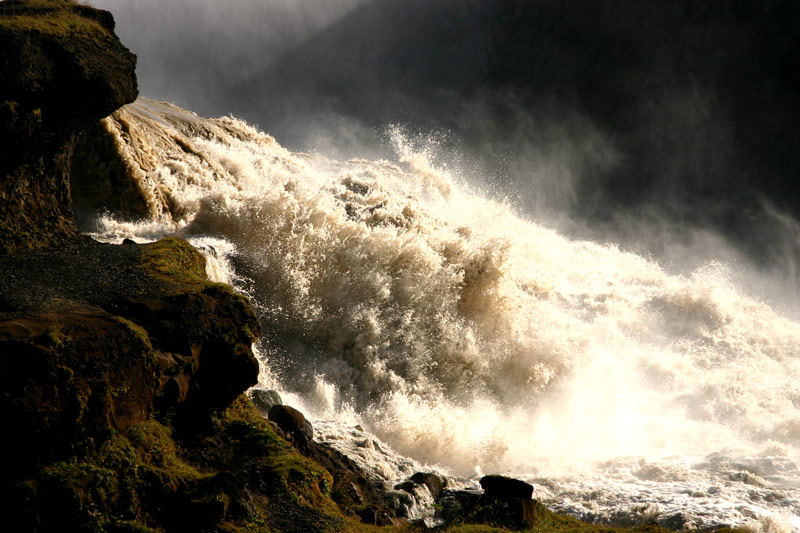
(174, 260)
(233, 479)
(62, 69)
(61, 18)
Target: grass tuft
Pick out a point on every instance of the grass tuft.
(49, 17)
(175, 261)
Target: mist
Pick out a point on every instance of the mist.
(668, 127)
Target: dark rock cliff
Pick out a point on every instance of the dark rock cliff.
(95, 337)
(62, 69)
(122, 368)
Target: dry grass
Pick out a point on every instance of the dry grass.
(48, 17)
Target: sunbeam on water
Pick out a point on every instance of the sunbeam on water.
(461, 335)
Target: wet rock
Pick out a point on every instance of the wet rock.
(505, 488)
(434, 482)
(352, 490)
(292, 422)
(499, 506)
(265, 400)
(400, 502)
(407, 486)
(458, 506)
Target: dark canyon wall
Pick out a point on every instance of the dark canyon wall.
(63, 68)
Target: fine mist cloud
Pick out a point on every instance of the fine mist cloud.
(191, 51)
(654, 125)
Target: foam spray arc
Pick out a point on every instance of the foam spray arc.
(466, 336)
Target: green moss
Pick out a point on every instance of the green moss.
(84, 491)
(50, 17)
(156, 452)
(175, 261)
(140, 333)
(124, 486)
(282, 471)
(127, 526)
(52, 336)
(145, 480)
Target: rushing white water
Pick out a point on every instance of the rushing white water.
(465, 336)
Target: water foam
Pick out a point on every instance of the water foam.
(460, 334)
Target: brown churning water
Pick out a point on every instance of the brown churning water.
(464, 335)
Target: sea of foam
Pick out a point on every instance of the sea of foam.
(424, 325)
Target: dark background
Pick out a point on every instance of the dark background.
(670, 127)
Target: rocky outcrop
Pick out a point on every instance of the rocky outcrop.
(108, 355)
(292, 422)
(62, 69)
(505, 502)
(505, 488)
(95, 338)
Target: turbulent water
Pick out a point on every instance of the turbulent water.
(461, 335)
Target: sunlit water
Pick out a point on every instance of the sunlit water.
(459, 335)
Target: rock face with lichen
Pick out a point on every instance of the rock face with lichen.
(95, 339)
(62, 69)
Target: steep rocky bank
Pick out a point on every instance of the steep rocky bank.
(122, 368)
(63, 68)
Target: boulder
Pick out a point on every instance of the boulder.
(472, 507)
(265, 400)
(292, 422)
(505, 488)
(434, 482)
(505, 502)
